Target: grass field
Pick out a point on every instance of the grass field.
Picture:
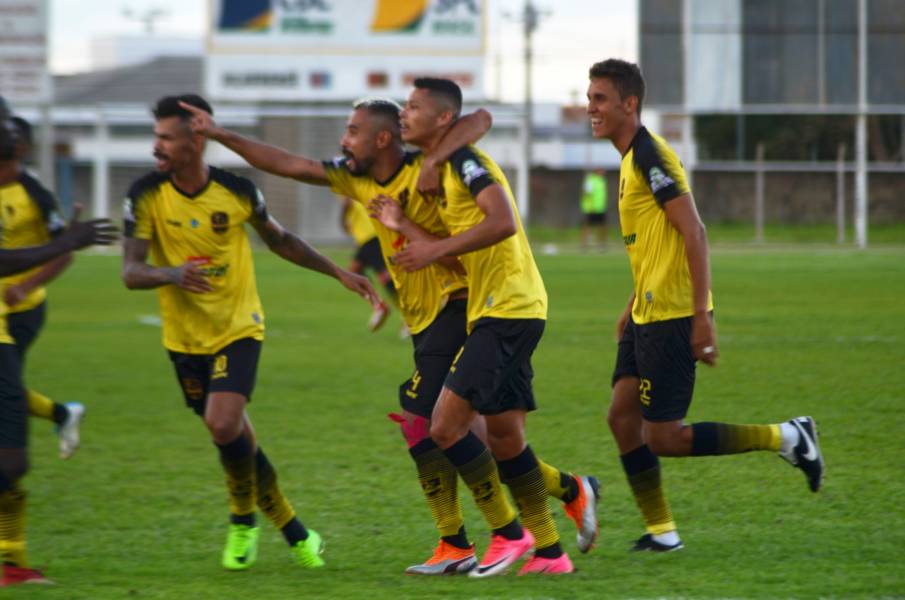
(140, 511)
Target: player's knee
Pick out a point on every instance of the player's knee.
(223, 429)
(663, 443)
(443, 435)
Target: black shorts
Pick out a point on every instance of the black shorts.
(25, 326)
(369, 255)
(595, 218)
(660, 355)
(13, 400)
(493, 369)
(435, 349)
(233, 368)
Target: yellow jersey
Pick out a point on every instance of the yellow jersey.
(5, 338)
(651, 175)
(28, 217)
(503, 280)
(358, 223)
(423, 293)
(209, 228)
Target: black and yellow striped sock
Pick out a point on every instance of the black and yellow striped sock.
(273, 503)
(474, 463)
(238, 460)
(523, 476)
(560, 485)
(12, 527)
(438, 479)
(710, 439)
(642, 468)
(269, 497)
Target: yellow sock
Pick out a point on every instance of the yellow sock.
(40, 405)
(12, 527)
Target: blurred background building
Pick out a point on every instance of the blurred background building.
(760, 97)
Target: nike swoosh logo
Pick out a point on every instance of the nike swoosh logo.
(811, 454)
(484, 569)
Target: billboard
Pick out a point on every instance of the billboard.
(311, 50)
(24, 76)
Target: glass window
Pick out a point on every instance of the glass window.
(661, 51)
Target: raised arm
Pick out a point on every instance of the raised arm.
(291, 247)
(683, 215)
(467, 130)
(265, 157)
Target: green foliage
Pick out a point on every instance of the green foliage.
(140, 511)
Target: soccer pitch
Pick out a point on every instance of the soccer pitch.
(140, 511)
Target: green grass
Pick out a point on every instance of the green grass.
(139, 512)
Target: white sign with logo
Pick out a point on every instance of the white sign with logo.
(24, 76)
(294, 50)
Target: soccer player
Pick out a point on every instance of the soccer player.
(13, 400)
(29, 217)
(191, 218)
(357, 223)
(432, 301)
(491, 376)
(593, 209)
(667, 325)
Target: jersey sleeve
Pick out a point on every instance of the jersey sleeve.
(469, 167)
(661, 169)
(341, 180)
(137, 221)
(46, 203)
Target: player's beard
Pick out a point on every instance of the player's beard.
(358, 166)
(167, 166)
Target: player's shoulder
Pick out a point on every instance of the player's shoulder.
(35, 189)
(651, 150)
(148, 183)
(237, 184)
(472, 165)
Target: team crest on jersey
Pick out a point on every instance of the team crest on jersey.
(220, 222)
(471, 170)
(659, 179)
(10, 211)
(404, 198)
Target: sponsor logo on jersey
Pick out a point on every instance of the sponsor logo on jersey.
(220, 222)
(659, 179)
(471, 170)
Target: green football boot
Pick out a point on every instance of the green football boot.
(308, 551)
(241, 549)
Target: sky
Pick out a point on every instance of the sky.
(573, 35)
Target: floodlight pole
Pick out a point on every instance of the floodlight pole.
(861, 132)
(530, 17)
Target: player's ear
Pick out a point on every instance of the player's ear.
(630, 104)
(384, 139)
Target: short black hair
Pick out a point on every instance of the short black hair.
(626, 77)
(445, 89)
(381, 108)
(168, 106)
(23, 128)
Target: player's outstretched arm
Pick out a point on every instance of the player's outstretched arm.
(137, 274)
(467, 130)
(683, 215)
(497, 225)
(79, 234)
(265, 157)
(294, 249)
